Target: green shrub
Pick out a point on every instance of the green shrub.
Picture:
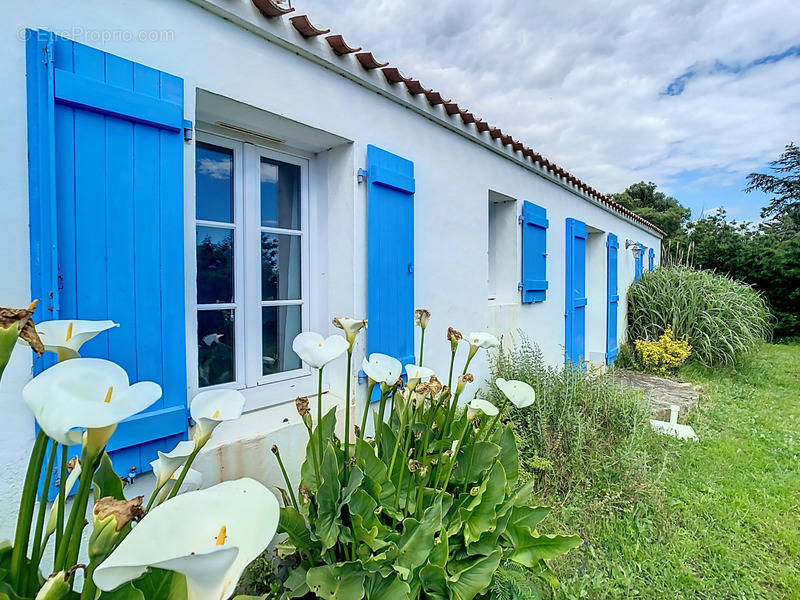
(720, 318)
(582, 432)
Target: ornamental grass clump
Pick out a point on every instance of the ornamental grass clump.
(721, 319)
(428, 506)
(663, 356)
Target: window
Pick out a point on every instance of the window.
(251, 207)
(502, 249)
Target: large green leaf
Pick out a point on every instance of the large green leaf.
(523, 522)
(328, 520)
(543, 547)
(391, 587)
(106, 481)
(294, 524)
(509, 456)
(344, 581)
(354, 482)
(375, 472)
(366, 526)
(416, 543)
(126, 591)
(479, 515)
(473, 460)
(490, 539)
(296, 585)
(434, 582)
(473, 576)
(308, 475)
(160, 584)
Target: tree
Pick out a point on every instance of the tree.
(663, 211)
(784, 185)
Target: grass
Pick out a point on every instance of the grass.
(722, 518)
(722, 319)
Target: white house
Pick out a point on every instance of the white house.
(219, 175)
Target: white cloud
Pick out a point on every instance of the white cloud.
(583, 82)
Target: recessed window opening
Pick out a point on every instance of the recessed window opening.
(502, 277)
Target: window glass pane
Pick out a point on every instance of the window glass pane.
(214, 265)
(280, 194)
(279, 326)
(214, 180)
(280, 267)
(215, 331)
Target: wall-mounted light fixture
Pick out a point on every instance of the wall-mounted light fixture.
(638, 248)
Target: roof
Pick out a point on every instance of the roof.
(273, 9)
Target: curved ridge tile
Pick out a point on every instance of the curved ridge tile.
(271, 9)
(305, 27)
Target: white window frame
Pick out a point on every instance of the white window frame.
(247, 302)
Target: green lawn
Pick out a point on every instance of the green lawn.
(722, 519)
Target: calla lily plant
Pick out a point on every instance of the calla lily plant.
(81, 401)
(427, 508)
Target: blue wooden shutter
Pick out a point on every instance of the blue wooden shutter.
(390, 254)
(106, 199)
(612, 246)
(638, 265)
(534, 252)
(575, 315)
(651, 254)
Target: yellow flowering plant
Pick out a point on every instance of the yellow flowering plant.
(663, 356)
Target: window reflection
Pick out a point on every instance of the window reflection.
(279, 326)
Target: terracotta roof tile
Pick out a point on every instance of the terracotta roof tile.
(306, 29)
(435, 98)
(467, 116)
(271, 9)
(368, 61)
(452, 108)
(393, 75)
(415, 87)
(339, 46)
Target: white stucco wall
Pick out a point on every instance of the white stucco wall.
(453, 176)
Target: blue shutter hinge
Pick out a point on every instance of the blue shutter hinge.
(361, 176)
(519, 286)
(47, 54)
(188, 131)
(520, 219)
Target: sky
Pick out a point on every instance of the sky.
(692, 95)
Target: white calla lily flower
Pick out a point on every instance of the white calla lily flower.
(210, 536)
(476, 406)
(66, 336)
(192, 481)
(482, 340)
(351, 328)
(212, 407)
(86, 393)
(167, 463)
(519, 393)
(382, 368)
(416, 374)
(317, 351)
